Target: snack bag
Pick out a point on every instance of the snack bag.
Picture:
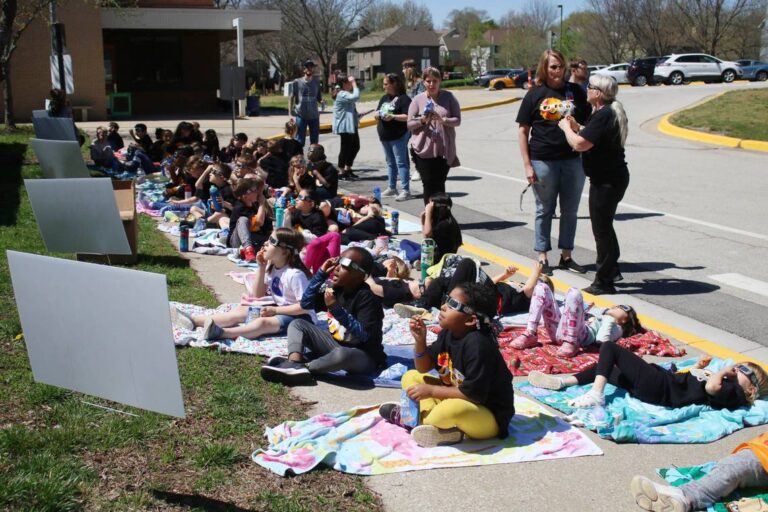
(409, 410)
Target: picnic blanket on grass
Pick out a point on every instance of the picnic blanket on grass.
(360, 442)
(679, 476)
(625, 419)
(544, 358)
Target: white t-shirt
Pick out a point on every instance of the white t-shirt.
(286, 286)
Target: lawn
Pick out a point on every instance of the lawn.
(57, 453)
(277, 101)
(740, 114)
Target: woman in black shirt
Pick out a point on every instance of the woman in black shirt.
(601, 143)
(392, 115)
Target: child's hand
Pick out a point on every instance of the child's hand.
(330, 298)
(261, 256)
(418, 329)
(329, 265)
(419, 392)
(509, 271)
(268, 311)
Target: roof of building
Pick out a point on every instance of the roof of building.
(497, 35)
(398, 36)
(453, 41)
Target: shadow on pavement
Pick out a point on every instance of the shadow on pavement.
(667, 286)
(196, 501)
(633, 216)
(491, 225)
(463, 178)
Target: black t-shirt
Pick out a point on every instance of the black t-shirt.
(239, 209)
(276, 169)
(393, 130)
(474, 364)
(146, 143)
(547, 140)
(314, 221)
(227, 195)
(605, 162)
(115, 141)
(366, 307)
(290, 148)
(395, 291)
(156, 151)
(447, 239)
(685, 389)
(329, 172)
(512, 300)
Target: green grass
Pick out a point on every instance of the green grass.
(739, 114)
(57, 453)
(276, 101)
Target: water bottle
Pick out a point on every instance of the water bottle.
(184, 238)
(215, 203)
(395, 222)
(140, 176)
(377, 193)
(427, 256)
(187, 191)
(279, 216)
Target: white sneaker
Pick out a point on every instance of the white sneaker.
(403, 196)
(390, 192)
(415, 176)
(658, 498)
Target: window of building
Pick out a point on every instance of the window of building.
(425, 53)
(155, 61)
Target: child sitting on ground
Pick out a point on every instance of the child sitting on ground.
(735, 386)
(353, 340)
(438, 223)
(218, 207)
(250, 223)
(570, 329)
(746, 467)
(473, 395)
(193, 177)
(281, 275)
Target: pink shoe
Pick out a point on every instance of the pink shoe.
(567, 350)
(525, 340)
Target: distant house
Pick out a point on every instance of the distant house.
(487, 57)
(383, 52)
(452, 48)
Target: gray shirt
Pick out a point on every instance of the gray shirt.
(306, 95)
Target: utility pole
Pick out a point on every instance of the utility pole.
(560, 37)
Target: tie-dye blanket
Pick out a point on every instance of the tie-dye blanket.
(625, 419)
(544, 358)
(680, 476)
(360, 442)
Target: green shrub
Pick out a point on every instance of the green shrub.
(461, 82)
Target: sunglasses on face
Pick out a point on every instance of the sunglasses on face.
(556, 66)
(592, 87)
(302, 197)
(350, 265)
(274, 242)
(458, 306)
(748, 372)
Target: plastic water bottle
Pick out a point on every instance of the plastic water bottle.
(187, 191)
(395, 222)
(140, 176)
(427, 256)
(215, 203)
(377, 193)
(184, 238)
(279, 216)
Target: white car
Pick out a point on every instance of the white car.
(617, 71)
(684, 67)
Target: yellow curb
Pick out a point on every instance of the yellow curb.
(666, 127)
(680, 335)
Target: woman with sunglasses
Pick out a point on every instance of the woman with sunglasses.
(732, 387)
(281, 276)
(472, 394)
(601, 144)
(570, 329)
(551, 166)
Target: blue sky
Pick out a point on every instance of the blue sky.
(495, 8)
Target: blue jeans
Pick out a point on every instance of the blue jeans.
(396, 152)
(314, 130)
(564, 178)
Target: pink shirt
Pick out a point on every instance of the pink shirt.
(434, 140)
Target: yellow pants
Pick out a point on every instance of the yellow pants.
(474, 420)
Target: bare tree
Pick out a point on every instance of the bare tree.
(541, 14)
(383, 14)
(463, 19)
(523, 39)
(610, 32)
(707, 22)
(228, 4)
(282, 51)
(652, 25)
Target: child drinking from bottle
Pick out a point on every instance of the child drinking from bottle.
(473, 395)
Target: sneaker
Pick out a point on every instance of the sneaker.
(249, 254)
(391, 413)
(415, 176)
(600, 289)
(403, 196)
(390, 192)
(658, 498)
(211, 331)
(618, 277)
(525, 340)
(569, 264)
(275, 360)
(546, 381)
(406, 311)
(545, 268)
(587, 400)
(352, 175)
(288, 372)
(181, 319)
(428, 436)
(568, 350)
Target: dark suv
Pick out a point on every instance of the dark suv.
(640, 71)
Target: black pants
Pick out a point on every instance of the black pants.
(350, 146)
(603, 200)
(434, 172)
(622, 368)
(440, 287)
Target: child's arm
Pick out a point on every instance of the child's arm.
(715, 383)
(191, 200)
(426, 227)
(261, 287)
(201, 180)
(261, 213)
(533, 279)
(376, 288)
(506, 274)
(309, 298)
(421, 358)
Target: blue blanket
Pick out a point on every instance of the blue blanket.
(624, 419)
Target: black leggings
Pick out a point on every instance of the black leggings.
(603, 200)
(350, 146)
(440, 287)
(434, 172)
(644, 381)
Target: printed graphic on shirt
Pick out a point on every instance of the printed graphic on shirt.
(335, 328)
(554, 109)
(449, 375)
(276, 287)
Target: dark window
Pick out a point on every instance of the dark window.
(689, 58)
(156, 62)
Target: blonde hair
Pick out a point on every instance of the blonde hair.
(609, 89)
(402, 270)
(753, 393)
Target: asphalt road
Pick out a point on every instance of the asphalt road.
(692, 225)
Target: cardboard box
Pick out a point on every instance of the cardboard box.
(125, 196)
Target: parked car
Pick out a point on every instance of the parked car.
(617, 71)
(486, 77)
(684, 67)
(453, 75)
(595, 67)
(754, 70)
(640, 71)
(505, 82)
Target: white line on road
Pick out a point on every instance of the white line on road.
(712, 225)
(743, 282)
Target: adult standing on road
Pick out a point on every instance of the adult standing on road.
(345, 121)
(413, 85)
(303, 104)
(551, 166)
(432, 120)
(579, 73)
(601, 143)
(392, 116)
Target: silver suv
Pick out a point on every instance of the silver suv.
(684, 67)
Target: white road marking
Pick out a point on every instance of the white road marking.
(743, 282)
(690, 220)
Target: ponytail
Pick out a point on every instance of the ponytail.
(621, 120)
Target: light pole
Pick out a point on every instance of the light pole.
(560, 37)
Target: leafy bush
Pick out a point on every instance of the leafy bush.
(462, 82)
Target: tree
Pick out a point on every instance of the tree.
(282, 51)
(610, 30)
(476, 49)
(652, 25)
(708, 22)
(383, 14)
(462, 19)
